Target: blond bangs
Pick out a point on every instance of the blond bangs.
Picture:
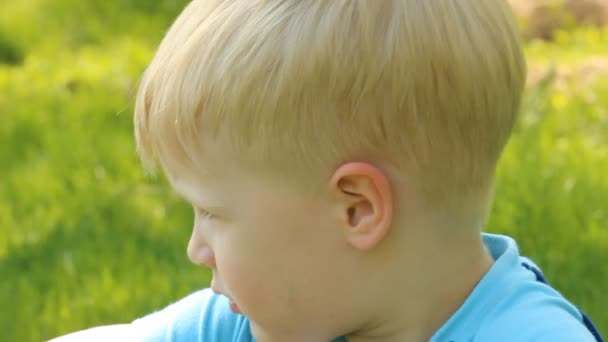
(168, 104)
(430, 87)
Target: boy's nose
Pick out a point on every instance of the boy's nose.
(199, 252)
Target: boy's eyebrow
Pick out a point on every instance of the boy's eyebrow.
(176, 184)
(214, 208)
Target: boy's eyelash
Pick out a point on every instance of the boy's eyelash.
(204, 213)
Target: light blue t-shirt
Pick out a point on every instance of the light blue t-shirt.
(512, 302)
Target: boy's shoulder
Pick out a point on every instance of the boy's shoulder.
(200, 316)
(514, 302)
(533, 311)
(534, 317)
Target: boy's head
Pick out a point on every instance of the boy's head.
(285, 118)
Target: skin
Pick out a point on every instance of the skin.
(348, 259)
(357, 257)
(277, 253)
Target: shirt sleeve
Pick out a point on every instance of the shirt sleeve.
(200, 317)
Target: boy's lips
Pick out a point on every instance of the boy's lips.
(234, 307)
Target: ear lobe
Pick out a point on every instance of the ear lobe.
(366, 203)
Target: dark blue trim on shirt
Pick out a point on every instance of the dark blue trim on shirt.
(586, 320)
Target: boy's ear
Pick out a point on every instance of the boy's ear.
(365, 203)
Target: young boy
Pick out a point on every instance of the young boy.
(340, 156)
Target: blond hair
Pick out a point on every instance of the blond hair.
(430, 87)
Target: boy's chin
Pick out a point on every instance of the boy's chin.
(266, 335)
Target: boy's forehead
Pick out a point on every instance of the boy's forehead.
(199, 164)
(187, 177)
(188, 187)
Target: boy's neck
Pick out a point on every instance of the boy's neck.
(414, 303)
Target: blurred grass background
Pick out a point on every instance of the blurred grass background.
(86, 239)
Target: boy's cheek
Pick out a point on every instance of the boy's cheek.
(245, 281)
(261, 294)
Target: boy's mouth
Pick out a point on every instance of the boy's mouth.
(234, 307)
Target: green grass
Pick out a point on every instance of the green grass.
(86, 239)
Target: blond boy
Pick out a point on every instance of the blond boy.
(340, 157)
